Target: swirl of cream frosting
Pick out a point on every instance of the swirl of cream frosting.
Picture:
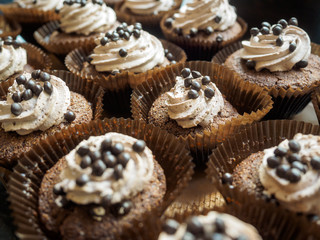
(234, 228)
(304, 195)
(40, 4)
(191, 112)
(143, 53)
(87, 19)
(136, 174)
(12, 61)
(40, 112)
(147, 7)
(263, 50)
(202, 14)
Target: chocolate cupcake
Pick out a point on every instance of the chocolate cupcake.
(199, 102)
(80, 23)
(149, 12)
(30, 11)
(17, 57)
(203, 27)
(39, 104)
(9, 27)
(277, 162)
(102, 201)
(281, 59)
(103, 184)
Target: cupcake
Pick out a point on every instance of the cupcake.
(81, 198)
(277, 161)
(148, 12)
(106, 181)
(39, 104)
(80, 23)
(199, 102)
(30, 11)
(17, 57)
(121, 60)
(279, 58)
(9, 27)
(213, 225)
(203, 27)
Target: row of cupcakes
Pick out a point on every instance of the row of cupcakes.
(55, 180)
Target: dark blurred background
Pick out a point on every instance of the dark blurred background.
(306, 11)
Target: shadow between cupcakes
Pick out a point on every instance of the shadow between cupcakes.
(287, 102)
(36, 59)
(91, 91)
(315, 97)
(250, 139)
(27, 15)
(173, 157)
(251, 102)
(200, 47)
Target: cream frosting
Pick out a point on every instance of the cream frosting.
(40, 4)
(202, 14)
(143, 53)
(304, 195)
(264, 51)
(12, 61)
(192, 112)
(87, 19)
(136, 174)
(147, 7)
(40, 112)
(234, 228)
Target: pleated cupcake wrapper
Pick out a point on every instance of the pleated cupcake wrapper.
(90, 90)
(112, 3)
(316, 102)
(287, 102)
(62, 47)
(146, 20)
(250, 139)
(251, 101)
(15, 28)
(25, 182)
(27, 15)
(200, 48)
(36, 59)
(75, 60)
(270, 221)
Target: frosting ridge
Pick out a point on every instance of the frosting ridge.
(86, 19)
(147, 7)
(218, 15)
(40, 4)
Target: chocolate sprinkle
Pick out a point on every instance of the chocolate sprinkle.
(110, 160)
(293, 157)
(170, 227)
(254, 31)
(195, 85)
(302, 64)
(193, 32)
(70, 116)
(266, 24)
(250, 64)
(44, 76)
(168, 22)
(282, 171)
(21, 79)
(294, 175)
(185, 72)
(106, 144)
(227, 178)
(220, 226)
(217, 18)
(280, 152)
(283, 23)
(292, 46)
(193, 94)
(194, 226)
(315, 162)
(196, 74)
(188, 82)
(85, 162)
(118, 171)
(293, 21)
(208, 30)
(37, 89)
(205, 80)
(139, 146)
(104, 41)
(30, 84)
(27, 95)
(98, 168)
(48, 87)
(16, 97)
(106, 200)
(57, 190)
(279, 41)
(82, 180)
(123, 158)
(123, 52)
(265, 30)
(117, 148)
(16, 108)
(94, 155)
(277, 29)
(36, 74)
(273, 161)
(84, 150)
(209, 92)
(294, 146)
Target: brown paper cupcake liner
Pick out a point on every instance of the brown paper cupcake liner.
(25, 182)
(112, 3)
(27, 15)
(200, 49)
(287, 102)
(64, 45)
(247, 140)
(36, 59)
(146, 20)
(90, 90)
(316, 102)
(76, 62)
(250, 101)
(9, 27)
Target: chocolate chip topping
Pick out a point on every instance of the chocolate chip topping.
(282, 171)
(21, 79)
(123, 158)
(293, 21)
(302, 64)
(139, 146)
(219, 39)
(98, 168)
(194, 226)
(44, 76)
(35, 74)
(123, 52)
(315, 162)
(27, 95)
(283, 23)
(30, 84)
(195, 86)
(250, 64)
(280, 152)
(220, 226)
(294, 146)
(266, 24)
(82, 180)
(16, 108)
(279, 41)
(209, 30)
(83, 150)
(193, 94)
(254, 31)
(209, 92)
(277, 29)
(227, 178)
(205, 80)
(185, 72)
(48, 88)
(273, 161)
(292, 46)
(117, 148)
(110, 160)
(37, 89)
(118, 171)
(57, 190)
(70, 116)
(85, 162)
(106, 144)
(16, 97)
(168, 22)
(265, 30)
